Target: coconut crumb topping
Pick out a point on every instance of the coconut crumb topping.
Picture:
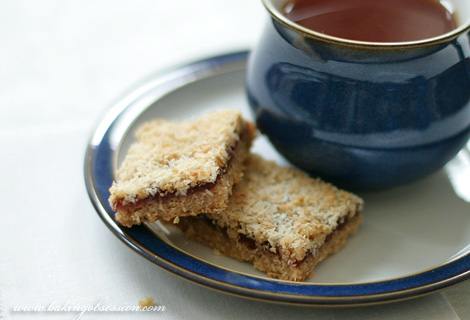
(171, 157)
(286, 208)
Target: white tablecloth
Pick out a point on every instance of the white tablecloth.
(62, 63)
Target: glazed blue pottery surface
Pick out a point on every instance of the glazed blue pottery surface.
(361, 115)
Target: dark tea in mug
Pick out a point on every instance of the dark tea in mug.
(373, 20)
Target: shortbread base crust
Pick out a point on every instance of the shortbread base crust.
(204, 231)
(212, 199)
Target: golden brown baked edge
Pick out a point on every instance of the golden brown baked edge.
(204, 231)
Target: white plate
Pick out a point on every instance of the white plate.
(413, 240)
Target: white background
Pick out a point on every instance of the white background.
(62, 64)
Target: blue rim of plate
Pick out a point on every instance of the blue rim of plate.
(99, 170)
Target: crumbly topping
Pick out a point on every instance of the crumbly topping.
(171, 157)
(285, 207)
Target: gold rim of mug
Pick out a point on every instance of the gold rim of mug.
(276, 14)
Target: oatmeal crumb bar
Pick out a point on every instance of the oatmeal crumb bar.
(280, 219)
(181, 168)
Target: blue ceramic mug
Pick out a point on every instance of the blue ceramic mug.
(363, 115)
